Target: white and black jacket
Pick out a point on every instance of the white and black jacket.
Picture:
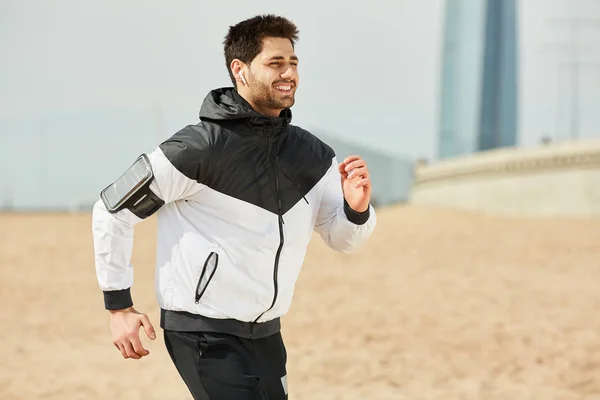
(243, 194)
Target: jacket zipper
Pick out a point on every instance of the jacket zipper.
(281, 237)
(210, 256)
(295, 184)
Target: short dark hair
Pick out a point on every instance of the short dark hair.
(244, 40)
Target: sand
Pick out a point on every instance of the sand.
(439, 304)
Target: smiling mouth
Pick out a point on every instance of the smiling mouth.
(287, 88)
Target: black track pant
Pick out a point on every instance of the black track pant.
(217, 366)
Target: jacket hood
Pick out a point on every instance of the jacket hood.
(227, 104)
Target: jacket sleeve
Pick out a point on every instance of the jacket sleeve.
(342, 228)
(113, 233)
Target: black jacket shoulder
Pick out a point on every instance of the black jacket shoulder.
(308, 146)
(191, 148)
(304, 158)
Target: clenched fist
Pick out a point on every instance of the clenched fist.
(356, 183)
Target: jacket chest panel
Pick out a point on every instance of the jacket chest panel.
(257, 172)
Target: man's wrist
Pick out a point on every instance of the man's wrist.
(356, 217)
(121, 311)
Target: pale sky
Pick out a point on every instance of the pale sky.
(85, 81)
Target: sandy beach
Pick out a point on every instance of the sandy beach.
(439, 304)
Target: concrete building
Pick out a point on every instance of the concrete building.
(478, 102)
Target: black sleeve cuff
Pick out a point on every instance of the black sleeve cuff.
(357, 218)
(117, 299)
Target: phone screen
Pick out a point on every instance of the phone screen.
(127, 184)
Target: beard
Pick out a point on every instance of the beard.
(268, 97)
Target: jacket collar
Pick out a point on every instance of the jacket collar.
(284, 118)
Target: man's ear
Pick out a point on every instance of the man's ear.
(238, 70)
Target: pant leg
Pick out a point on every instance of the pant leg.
(185, 353)
(219, 366)
(271, 357)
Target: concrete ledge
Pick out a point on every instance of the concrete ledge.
(556, 179)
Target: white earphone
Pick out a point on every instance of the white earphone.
(243, 79)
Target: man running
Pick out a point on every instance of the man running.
(237, 197)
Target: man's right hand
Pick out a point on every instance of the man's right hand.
(125, 328)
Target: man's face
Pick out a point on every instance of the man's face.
(273, 76)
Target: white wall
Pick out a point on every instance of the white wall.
(560, 179)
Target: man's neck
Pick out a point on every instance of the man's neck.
(269, 112)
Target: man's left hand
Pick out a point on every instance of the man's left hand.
(356, 183)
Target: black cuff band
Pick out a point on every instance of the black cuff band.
(117, 299)
(357, 218)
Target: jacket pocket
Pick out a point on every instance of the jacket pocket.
(210, 266)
